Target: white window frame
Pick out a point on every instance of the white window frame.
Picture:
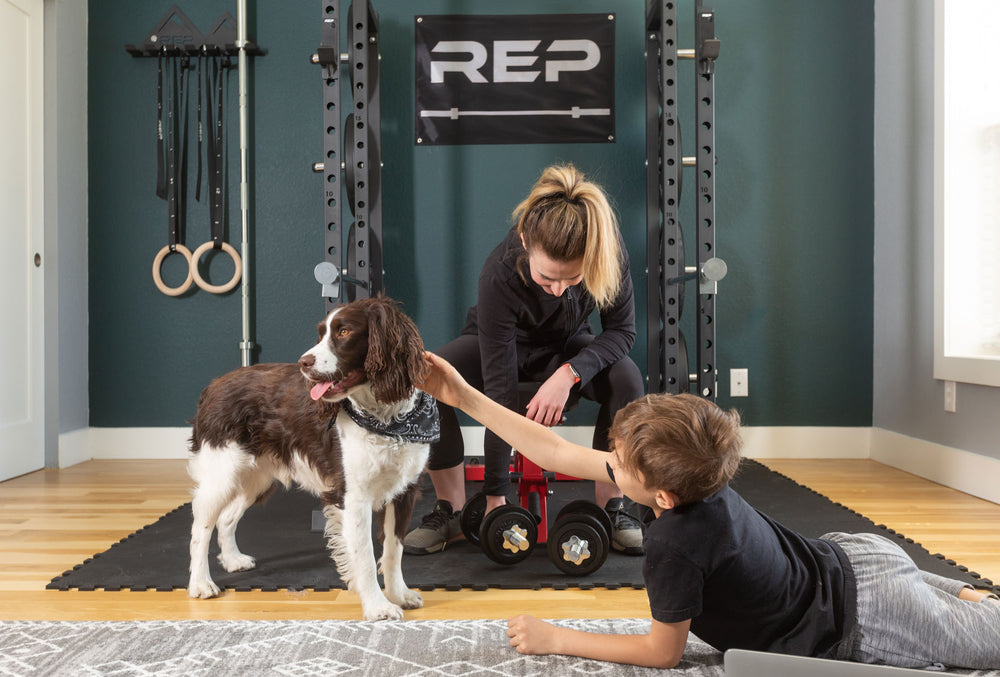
(952, 278)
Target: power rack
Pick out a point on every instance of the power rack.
(667, 273)
(351, 166)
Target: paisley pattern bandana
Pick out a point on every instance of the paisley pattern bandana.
(422, 424)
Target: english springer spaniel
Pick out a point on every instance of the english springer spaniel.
(346, 423)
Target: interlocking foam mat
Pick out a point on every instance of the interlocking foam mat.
(290, 555)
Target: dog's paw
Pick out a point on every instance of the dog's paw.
(410, 599)
(204, 589)
(238, 562)
(383, 612)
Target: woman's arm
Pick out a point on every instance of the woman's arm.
(662, 648)
(535, 441)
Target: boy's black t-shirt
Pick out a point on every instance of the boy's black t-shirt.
(746, 581)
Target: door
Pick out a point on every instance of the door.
(22, 116)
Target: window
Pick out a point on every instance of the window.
(967, 191)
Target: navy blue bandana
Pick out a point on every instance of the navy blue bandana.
(422, 424)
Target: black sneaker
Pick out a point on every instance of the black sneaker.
(626, 534)
(436, 530)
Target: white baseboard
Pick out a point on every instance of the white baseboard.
(762, 442)
(74, 447)
(971, 473)
(139, 443)
(806, 442)
(965, 471)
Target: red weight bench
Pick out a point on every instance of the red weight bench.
(532, 480)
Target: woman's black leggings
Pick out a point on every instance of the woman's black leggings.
(612, 388)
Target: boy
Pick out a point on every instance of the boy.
(716, 567)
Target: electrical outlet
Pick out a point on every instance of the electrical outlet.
(950, 397)
(739, 385)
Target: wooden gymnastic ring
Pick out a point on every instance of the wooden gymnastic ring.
(215, 288)
(158, 264)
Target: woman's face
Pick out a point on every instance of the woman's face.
(555, 277)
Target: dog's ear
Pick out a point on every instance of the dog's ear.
(395, 352)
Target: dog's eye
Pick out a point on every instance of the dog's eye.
(343, 332)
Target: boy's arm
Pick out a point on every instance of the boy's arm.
(535, 441)
(662, 648)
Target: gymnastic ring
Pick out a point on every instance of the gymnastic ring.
(158, 264)
(216, 288)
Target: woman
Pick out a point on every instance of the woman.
(564, 258)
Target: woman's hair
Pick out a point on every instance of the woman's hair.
(681, 443)
(569, 218)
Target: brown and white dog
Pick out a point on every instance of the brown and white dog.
(358, 438)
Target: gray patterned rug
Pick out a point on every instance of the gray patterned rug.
(306, 648)
(315, 648)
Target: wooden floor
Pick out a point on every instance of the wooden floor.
(52, 520)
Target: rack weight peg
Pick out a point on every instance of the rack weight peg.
(708, 275)
(330, 278)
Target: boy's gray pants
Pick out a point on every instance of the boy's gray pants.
(912, 618)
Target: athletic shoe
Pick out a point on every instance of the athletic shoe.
(626, 535)
(436, 530)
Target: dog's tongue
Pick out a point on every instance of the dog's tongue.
(320, 389)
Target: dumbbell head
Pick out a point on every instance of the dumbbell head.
(582, 507)
(472, 517)
(508, 534)
(580, 539)
(578, 545)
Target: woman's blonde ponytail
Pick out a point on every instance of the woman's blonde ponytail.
(569, 217)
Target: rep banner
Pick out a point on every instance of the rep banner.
(539, 78)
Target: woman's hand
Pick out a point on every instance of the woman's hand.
(531, 636)
(443, 381)
(547, 406)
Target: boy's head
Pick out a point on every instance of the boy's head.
(681, 443)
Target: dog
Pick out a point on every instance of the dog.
(346, 423)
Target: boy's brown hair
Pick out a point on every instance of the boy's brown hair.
(681, 443)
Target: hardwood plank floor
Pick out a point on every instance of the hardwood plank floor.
(52, 520)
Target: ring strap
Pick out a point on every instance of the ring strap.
(173, 218)
(201, 131)
(161, 181)
(216, 171)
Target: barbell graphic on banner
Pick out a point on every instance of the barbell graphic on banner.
(455, 113)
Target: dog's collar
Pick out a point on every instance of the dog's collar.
(421, 425)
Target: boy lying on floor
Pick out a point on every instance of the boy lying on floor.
(717, 567)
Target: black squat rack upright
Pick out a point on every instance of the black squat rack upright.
(351, 269)
(667, 273)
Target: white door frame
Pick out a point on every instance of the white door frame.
(22, 123)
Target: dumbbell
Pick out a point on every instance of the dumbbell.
(580, 539)
(507, 534)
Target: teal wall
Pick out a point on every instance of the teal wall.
(794, 116)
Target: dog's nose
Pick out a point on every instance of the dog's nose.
(307, 361)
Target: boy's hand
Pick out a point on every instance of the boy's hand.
(443, 381)
(531, 636)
